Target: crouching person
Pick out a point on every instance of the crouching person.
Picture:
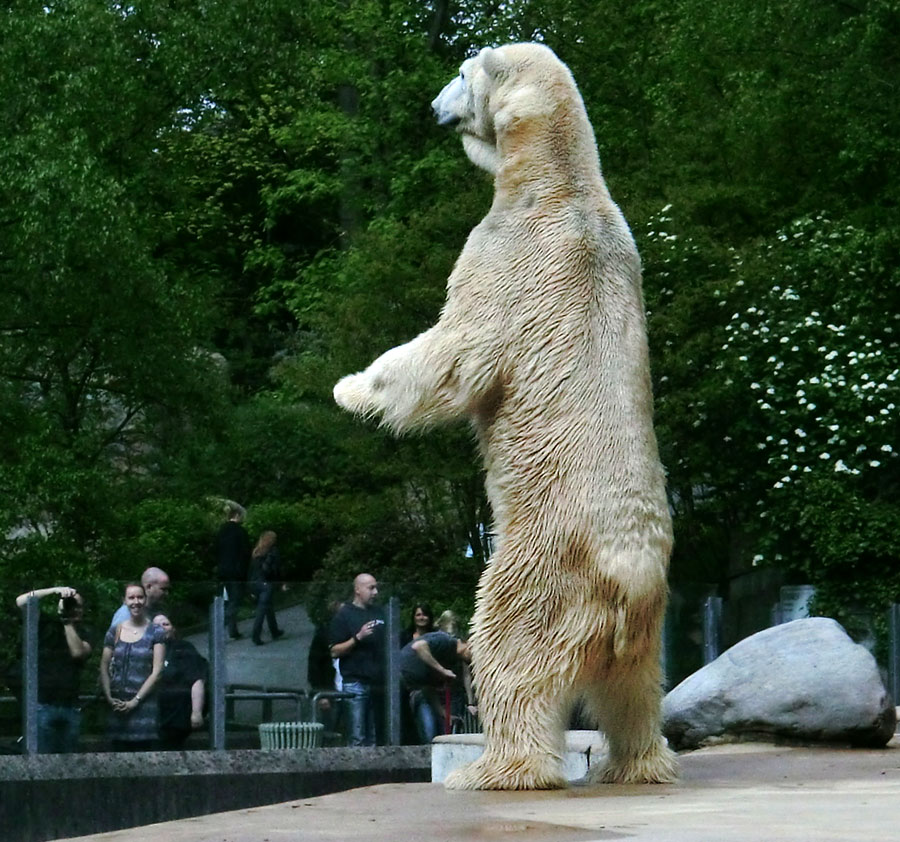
(427, 665)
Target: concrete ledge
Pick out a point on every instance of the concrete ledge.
(56, 796)
(736, 793)
(451, 751)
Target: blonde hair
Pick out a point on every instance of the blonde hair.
(233, 509)
(448, 622)
(265, 543)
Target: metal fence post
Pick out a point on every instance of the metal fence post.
(392, 672)
(217, 674)
(712, 628)
(894, 651)
(664, 643)
(30, 675)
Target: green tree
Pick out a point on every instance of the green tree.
(101, 340)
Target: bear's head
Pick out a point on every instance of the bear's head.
(499, 89)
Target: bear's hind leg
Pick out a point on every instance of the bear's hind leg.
(524, 738)
(627, 706)
(522, 695)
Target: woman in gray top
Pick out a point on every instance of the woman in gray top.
(132, 661)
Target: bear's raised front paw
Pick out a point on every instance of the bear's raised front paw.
(525, 772)
(350, 393)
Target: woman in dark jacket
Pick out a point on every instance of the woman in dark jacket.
(265, 571)
(182, 688)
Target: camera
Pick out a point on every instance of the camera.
(68, 606)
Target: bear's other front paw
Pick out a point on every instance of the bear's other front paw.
(351, 393)
(527, 772)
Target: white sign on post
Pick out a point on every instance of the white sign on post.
(795, 601)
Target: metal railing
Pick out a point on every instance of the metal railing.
(267, 695)
(222, 697)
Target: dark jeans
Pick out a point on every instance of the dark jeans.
(426, 708)
(235, 591)
(59, 727)
(365, 712)
(265, 609)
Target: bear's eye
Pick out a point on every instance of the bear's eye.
(462, 75)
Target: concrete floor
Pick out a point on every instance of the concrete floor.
(742, 792)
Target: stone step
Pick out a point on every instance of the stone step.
(451, 751)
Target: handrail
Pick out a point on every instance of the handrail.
(265, 694)
(337, 695)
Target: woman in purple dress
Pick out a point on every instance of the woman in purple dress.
(132, 661)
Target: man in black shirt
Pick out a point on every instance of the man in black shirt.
(356, 637)
(233, 552)
(62, 652)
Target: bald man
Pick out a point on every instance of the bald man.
(356, 638)
(156, 586)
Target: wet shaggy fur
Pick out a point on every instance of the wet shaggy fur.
(542, 345)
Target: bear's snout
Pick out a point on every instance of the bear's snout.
(444, 103)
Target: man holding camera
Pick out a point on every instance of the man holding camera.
(62, 653)
(356, 638)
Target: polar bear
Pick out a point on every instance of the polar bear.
(542, 344)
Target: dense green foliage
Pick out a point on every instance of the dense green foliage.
(210, 211)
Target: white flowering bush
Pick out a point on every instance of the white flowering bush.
(782, 417)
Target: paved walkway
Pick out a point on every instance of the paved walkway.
(281, 663)
(742, 793)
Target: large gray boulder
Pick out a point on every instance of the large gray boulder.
(805, 680)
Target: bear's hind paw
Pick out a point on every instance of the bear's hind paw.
(519, 773)
(656, 766)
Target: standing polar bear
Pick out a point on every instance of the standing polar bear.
(542, 345)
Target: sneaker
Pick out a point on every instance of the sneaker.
(236, 636)
(277, 634)
(258, 642)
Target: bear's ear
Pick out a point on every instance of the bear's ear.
(492, 62)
